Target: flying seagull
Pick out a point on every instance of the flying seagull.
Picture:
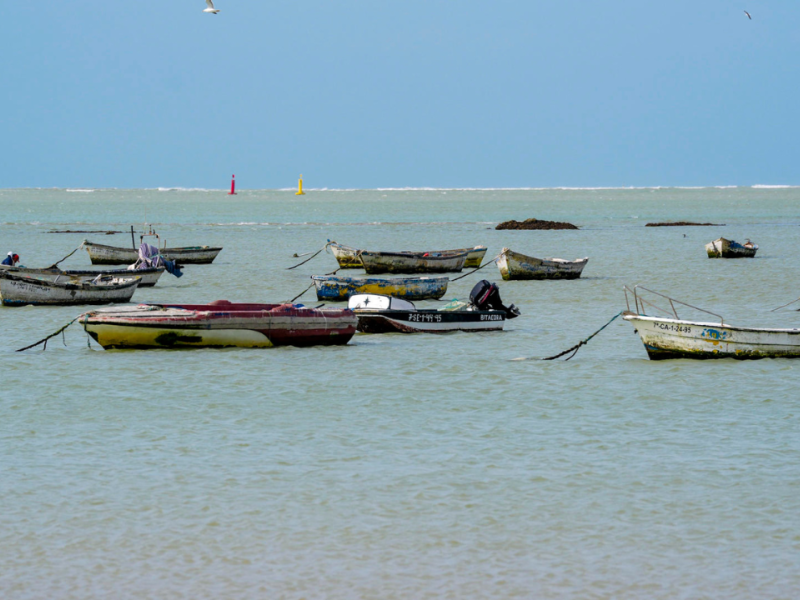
(214, 11)
(745, 12)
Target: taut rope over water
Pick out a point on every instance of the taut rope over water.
(309, 287)
(785, 305)
(308, 259)
(55, 264)
(479, 268)
(574, 349)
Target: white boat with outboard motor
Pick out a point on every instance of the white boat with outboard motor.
(383, 314)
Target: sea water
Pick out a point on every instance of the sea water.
(406, 466)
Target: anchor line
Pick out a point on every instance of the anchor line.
(308, 259)
(478, 269)
(574, 349)
(55, 264)
(309, 287)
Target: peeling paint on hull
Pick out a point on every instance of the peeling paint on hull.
(406, 263)
(515, 266)
(113, 255)
(348, 258)
(408, 288)
(672, 338)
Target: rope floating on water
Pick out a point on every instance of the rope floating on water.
(308, 259)
(574, 349)
(478, 269)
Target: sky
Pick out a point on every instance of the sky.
(388, 94)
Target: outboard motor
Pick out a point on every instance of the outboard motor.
(486, 296)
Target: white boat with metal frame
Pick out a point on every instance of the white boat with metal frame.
(668, 337)
(149, 276)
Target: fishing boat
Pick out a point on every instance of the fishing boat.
(113, 255)
(407, 263)
(219, 324)
(672, 337)
(149, 276)
(514, 265)
(348, 257)
(722, 248)
(332, 287)
(20, 290)
(384, 314)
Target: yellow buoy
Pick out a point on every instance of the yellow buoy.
(300, 191)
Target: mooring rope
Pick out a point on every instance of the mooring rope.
(494, 260)
(52, 335)
(54, 265)
(574, 349)
(785, 305)
(309, 287)
(308, 259)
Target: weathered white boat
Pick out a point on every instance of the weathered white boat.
(217, 325)
(113, 255)
(149, 276)
(722, 248)
(667, 337)
(514, 265)
(19, 290)
(332, 287)
(348, 258)
(406, 262)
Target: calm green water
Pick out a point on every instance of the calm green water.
(407, 466)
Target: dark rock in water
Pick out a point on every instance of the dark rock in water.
(684, 224)
(535, 224)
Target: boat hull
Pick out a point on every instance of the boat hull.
(408, 288)
(346, 257)
(429, 321)
(23, 291)
(673, 338)
(376, 263)
(515, 266)
(723, 248)
(149, 277)
(113, 255)
(219, 325)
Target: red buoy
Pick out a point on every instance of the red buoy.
(233, 186)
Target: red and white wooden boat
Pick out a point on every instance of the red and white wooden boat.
(217, 325)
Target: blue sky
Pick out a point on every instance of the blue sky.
(440, 93)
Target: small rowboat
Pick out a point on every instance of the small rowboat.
(513, 265)
(348, 258)
(113, 255)
(722, 248)
(217, 325)
(19, 290)
(668, 337)
(407, 262)
(383, 314)
(149, 276)
(331, 287)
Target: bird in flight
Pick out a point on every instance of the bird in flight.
(214, 11)
(745, 12)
